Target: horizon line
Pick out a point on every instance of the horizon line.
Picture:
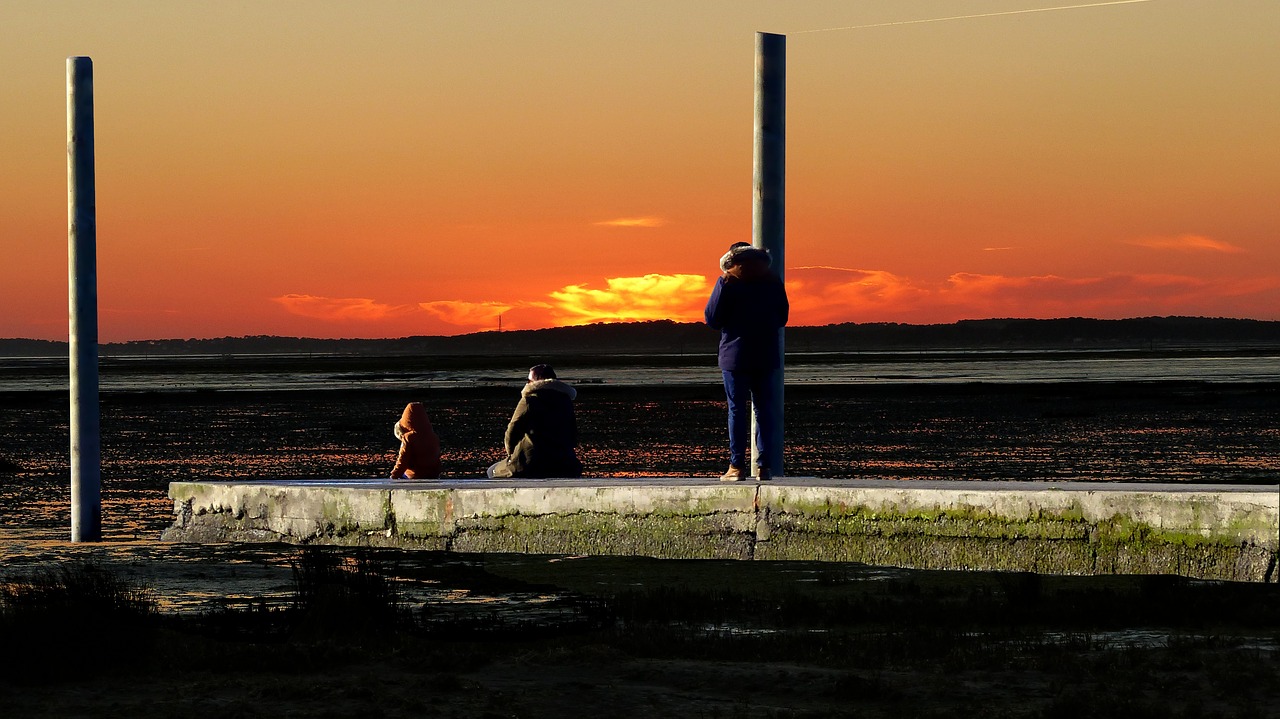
(644, 322)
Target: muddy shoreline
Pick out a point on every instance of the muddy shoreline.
(1130, 431)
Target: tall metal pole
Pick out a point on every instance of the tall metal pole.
(82, 289)
(768, 221)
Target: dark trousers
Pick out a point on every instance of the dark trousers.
(747, 390)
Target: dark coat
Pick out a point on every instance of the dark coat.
(749, 306)
(542, 433)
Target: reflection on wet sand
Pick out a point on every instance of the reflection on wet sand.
(1155, 432)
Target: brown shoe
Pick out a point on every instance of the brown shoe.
(734, 474)
(763, 474)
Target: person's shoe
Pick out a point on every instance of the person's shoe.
(734, 474)
(763, 474)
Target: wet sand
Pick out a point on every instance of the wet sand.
(1157, 431)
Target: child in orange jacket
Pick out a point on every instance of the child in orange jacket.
(419, 456)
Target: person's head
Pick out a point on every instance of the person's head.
(414, 418)
(745, 261)
(541, 371)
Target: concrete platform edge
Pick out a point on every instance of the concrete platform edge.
(1229, 532)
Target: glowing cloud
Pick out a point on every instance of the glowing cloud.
(978, 295)
(633, 222)
(1108, 296)
(821, 295)
(1193, 243)
(456, 312)
(446, 316)
(341, 308)
(826, 295)
(633, 299)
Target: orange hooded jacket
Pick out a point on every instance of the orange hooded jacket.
(419, 456)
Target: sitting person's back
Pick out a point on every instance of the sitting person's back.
(419, 456)
(543, 433)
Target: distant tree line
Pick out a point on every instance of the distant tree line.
(676, 338)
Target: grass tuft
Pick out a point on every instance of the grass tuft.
(78, 619)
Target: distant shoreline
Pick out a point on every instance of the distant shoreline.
(664, 337)
(239, 373)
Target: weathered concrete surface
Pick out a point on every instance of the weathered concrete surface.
(1210, 531)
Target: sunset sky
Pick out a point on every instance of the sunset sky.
(382, 169)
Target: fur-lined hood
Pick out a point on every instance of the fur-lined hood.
(554, 385)
(744, 262)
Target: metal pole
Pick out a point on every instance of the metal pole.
(768, 221)
(82, 289)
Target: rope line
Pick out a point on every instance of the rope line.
(967, 17)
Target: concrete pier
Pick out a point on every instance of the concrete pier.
(1229, 532)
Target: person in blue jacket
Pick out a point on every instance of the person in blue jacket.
(749, 306)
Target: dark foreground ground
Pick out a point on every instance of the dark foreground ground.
(626, 637)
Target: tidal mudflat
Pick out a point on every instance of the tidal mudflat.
(563, 636)
(1127, 431)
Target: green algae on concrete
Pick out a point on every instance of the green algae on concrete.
(440, 511)
(1044, 547)
(675, 537)
(1210, 533)
(1223, 532)
(1223, 513)
(688, 521)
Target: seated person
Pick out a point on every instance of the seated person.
(419, 456)
(543, 431)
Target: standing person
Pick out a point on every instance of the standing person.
(419, 456)
(749, 306)
(543, 431)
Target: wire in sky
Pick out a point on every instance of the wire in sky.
(966, 17)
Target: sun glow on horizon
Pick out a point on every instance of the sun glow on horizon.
(633, 299)
(819, 295)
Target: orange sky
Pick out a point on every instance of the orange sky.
(373, 169)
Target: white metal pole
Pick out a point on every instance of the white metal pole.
(82, 287)
(768, 218)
